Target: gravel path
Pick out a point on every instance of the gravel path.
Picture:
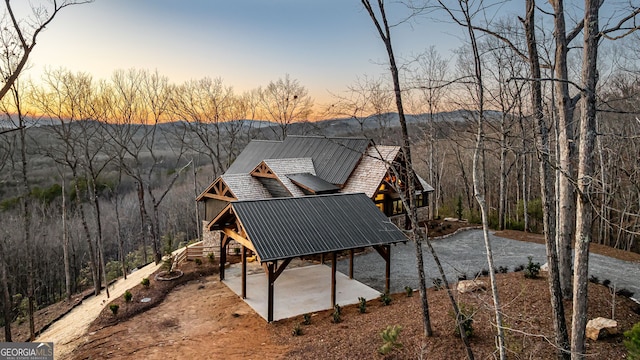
(464, 253)
(68, 331)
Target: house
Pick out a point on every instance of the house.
(306, 165)
(306, 196)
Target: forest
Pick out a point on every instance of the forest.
(99, 176)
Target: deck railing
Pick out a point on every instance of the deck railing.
(190, 252)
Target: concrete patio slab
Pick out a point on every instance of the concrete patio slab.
(299, 290)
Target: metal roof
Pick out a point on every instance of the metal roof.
(312, 183)
(290, 227)
(252, 155)
(334, 158)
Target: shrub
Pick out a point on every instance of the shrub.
(624, 292)
(437, 283)
(532, 271)
(503, 269)
(306, 319)
(466, 318)
(518, 268)
(212, 257)
(114, 309)
(606, 282)
(632, 342)
(362, 305)
(128, 296)
(594, 279)
(198, 261)
(337, 312)
(297, 331)
(462, 276)
(390, 337)
(385, 299)
(145, 282)
(408, 290)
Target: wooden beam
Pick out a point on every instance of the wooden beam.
(385, 252)
(271, 280)
(224, 240)
(244, 272)
(334, 261)
(239, 238)
(218, 197)
(351, 251)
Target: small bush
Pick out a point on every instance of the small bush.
(337, 313)
(385, 299)
(297, 330)
(145, 282)
(466, 315)
(632, 342)
(390, 337)
(211, 257)
(518, 268)
(362, 305)
(594, 279)
(128, 296)
(624, 292)
(306, 319)
(503, 269)
(408, 290)
(462, 276)
(198, 261)
(606, 282)
(532, 271)
(437, 283)
(114, 309)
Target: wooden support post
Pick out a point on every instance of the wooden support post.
(244, 271)
(351, 264)
(387, 281)
(223, 254)
(322, 258)
(334, 261)
(271, 277)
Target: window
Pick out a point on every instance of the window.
(397, 207)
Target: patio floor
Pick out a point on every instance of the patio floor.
(297, 290)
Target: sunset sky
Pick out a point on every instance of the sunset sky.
(325, 44)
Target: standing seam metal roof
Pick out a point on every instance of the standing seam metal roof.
(334, 158)
(290, 227)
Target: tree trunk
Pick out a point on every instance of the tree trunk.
(585, 175)
(65, 240)
(546, 187)
(6, 295)
(385, 35)
(566, 198)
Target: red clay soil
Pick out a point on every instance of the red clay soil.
(199, 317)
(204, 319)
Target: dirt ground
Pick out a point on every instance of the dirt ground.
(202, 318)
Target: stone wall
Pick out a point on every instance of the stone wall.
(399, 220)
(211, 242)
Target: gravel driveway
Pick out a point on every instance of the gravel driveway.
(464, 253)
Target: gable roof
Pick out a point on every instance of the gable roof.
(245, 187)
(372, 169)
(333, 158)
(283, 228)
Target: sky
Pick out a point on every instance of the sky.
(324, 44)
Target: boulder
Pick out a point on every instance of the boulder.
(601, 327)
(466, 286)
(545, 267)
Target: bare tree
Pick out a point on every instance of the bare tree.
(285, 102)
(18, 36)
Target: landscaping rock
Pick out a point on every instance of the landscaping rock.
(467, 286)
(545, 267)
(601, 327)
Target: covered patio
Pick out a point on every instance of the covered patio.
(281, 229)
